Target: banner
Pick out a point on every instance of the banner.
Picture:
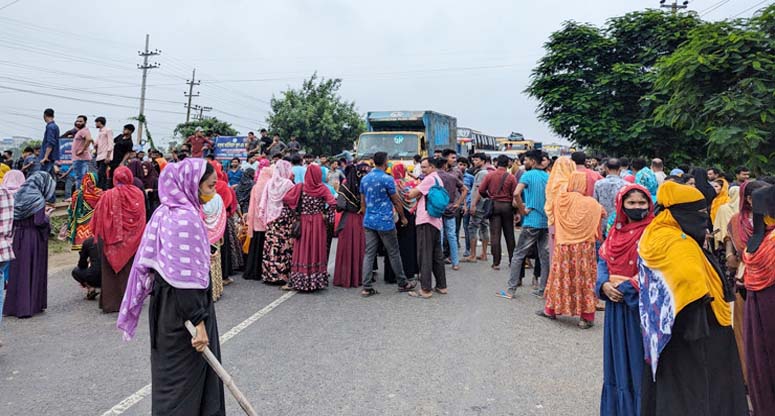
(65, 150)
(229, 147)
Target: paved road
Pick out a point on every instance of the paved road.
(328, 353)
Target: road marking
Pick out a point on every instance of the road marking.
(139, 395)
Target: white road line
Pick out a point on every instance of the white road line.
(139, 395)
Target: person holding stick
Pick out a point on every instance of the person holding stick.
(173, 263)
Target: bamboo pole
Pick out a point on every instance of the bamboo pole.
(223, 375)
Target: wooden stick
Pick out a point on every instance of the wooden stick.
(223, 375)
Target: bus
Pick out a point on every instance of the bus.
(470, 141)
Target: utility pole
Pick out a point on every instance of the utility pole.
(145, 67)
(201, 110)
(675, 6)
(191, 94)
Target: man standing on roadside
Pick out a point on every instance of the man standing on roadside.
(265, 140)
(477, 224)
(580, 158)
(742, 175)
(430, 257)
(81, 150)
(378, 199)
(499, 186)
(198, 143)
(50, 145)
(253, 145)
(535, 227)
(457, 192)
(104, 147)
(606, 189)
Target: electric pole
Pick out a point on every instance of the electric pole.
(675, 6)
(201, 110)
(191, 94)
(145, 67)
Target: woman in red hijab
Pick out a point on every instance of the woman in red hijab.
(118, 224)
(309, 266)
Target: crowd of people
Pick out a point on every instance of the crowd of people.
(682, 263)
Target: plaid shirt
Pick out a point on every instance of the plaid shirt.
(6, 226)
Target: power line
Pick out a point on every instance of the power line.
(713, 7)
(145, 67)
(750, 8)
(9, 4)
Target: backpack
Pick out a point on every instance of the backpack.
(436, 200)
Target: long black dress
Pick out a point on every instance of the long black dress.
(407, 245)
(699, 370)
(183, 382)
(255, 259)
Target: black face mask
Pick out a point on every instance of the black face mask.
(636, 214)
(692, 221)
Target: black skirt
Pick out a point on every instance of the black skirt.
(183, 383)
(255, 258)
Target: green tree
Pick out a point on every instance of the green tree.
(719, 87)
(317, 115)
(591, 81)
(211, 126)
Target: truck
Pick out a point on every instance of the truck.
(403, 134)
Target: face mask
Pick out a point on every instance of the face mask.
(204, 198)
(636, 214)
(693, 223)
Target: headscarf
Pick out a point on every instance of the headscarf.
(3, 170)
(119, 219)
(351, 188)
(741, 225)
(81, 209)
(646, 178)
(620, 249)
(702, 184)
(262, 163)
(214, 218)
(174, 243)
(244, 188)
(151, 180)
(13, 180)
(162, 162)
(228, 196)
(271, 204)
(313, 186)
(33, 194)
(577, 216)
(557, 183)
(403, 185)
(725, 213)
(721, 199)
(254, 220)
(759, 257)
(675, 271)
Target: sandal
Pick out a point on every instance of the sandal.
(286, 288)
(455, 268)
(468, 260)
(420, 294)
(441, 291)
(504, 294)
(584, 324)
(369, 292)
(496, 267)
(92, 294)
(543, 314)
(408, 288)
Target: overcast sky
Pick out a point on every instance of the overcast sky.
(471, 60)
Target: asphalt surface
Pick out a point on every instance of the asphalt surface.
(327, 353)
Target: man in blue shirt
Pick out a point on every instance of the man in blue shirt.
(234, 173)
(50, 145)
(298, 170)
(535, 228)
(378, 199)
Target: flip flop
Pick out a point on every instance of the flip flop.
(505, 295)
(440, 291)
(418, 294)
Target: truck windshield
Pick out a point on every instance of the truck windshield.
(397, 146)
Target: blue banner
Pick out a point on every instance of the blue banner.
(65, 150)
(228, 147)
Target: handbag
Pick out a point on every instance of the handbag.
(487, 208)
(296, 226)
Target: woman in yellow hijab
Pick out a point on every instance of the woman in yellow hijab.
(721, 186)
(685, 317)
(3, 169)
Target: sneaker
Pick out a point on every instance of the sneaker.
(538, 293)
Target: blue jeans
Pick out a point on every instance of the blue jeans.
(3, 272)
(80, 168)
(466, 221)
(449, 236)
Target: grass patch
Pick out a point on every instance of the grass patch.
(55, 246)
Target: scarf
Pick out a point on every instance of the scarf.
(557, 183)
(262, 163)
(620, 249)
(33, 194)
(577, 216)
(741, 225)
(725, 213)
(161, 162)
(646, 178)
(674, 272)
(313, 186)
(174, 243)
(119, 219)
(228, 196)
(245, 188)
(151, 180)
(759, 256)
(12, 181)
(721, 199)
(271, 204)
(3, 170)
(6, 227)
(702, 184)
(254, 220)
(214, 218)
(351, 189)
(81, 210)
(136, 167)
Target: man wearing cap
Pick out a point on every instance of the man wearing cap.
(198, 142)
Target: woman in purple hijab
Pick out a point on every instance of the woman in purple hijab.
(173, 264)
